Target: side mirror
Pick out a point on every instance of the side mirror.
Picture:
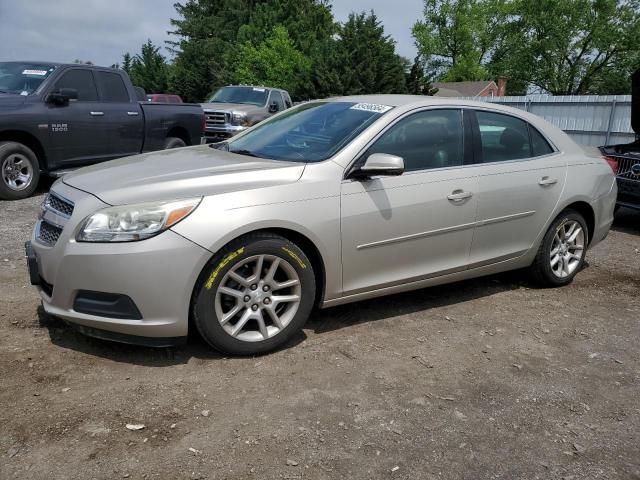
(273, 108)
(381, 164)
(62, 96)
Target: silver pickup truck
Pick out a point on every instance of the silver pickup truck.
(235, 108)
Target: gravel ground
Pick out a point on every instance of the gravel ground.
(490, 378)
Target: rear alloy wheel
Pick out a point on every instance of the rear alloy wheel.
(19, 171)
(563, 250)
(254, 295)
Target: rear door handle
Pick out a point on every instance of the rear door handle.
(544, 181)
(132, 114)
(97, 114)
(459, 195)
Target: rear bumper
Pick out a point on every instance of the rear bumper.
(603, 208)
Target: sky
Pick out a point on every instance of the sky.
(103, 30)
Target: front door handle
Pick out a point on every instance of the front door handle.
(97, 114)
(132, 114)
(544, 181)
(459, 195)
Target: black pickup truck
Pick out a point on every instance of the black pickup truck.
(56, 117)
(626, 157)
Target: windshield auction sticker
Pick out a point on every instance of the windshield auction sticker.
(34, 72)
(371, 107)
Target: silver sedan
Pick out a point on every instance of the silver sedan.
(331, 202)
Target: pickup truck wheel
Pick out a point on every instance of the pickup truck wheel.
(174, 142)
(254, 295)
(19, 171)
(563, 249)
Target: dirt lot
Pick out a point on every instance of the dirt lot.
(490, 378)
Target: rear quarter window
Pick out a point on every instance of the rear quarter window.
(539, 144)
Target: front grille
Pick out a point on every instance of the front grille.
(216, 118)
(59, 205)
(624, 167)
(48, 233)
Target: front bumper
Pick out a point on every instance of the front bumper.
(157, 275)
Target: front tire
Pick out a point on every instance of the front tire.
(19, 171)
(254, 295)
(562, 252)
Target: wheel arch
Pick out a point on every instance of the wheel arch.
(308, 246)
(586, 210)
(28, 140)
(181, 133)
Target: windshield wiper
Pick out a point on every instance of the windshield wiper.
(248, 153)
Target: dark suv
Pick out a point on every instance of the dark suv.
(625, 158)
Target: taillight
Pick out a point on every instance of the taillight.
(204, 122)
(613, 163)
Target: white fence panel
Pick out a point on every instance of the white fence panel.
(588, 119)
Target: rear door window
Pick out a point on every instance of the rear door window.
(503, 137)
(81, 81)
(112, 88)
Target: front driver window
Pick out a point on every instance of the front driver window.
(425, 140)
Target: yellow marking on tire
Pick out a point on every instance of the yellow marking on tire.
(295, 257)
(225, 261)
(562, 224)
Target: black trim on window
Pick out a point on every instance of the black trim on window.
(475, 135)
(468, 144)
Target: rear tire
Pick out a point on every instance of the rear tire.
(174, 142)
(19, 171)
(562, 252)
(254, 295)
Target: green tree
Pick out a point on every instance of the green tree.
(148, 69)
(367, 58)
(275, 62)
(458, 37)
(210, 33)
(573, 47)
(126, 62)
(206, 32)
(418, 83)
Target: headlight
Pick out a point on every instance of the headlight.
(239, 118)
(130, 223)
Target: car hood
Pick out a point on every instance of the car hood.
(180, 173)
(230, 107)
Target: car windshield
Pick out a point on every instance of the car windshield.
(245, 95)
(311, 132)
(22, 78)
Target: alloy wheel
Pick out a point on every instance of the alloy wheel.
(17, 172)
(567, 249)
(258, 298)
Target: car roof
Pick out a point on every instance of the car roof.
(428, 101)
(401, 100)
